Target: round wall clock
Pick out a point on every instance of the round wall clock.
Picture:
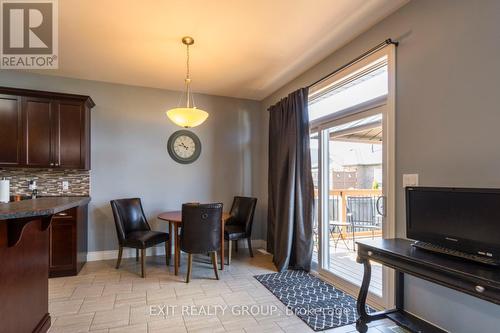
(184, 147)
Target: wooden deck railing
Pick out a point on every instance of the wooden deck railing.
(340, 197)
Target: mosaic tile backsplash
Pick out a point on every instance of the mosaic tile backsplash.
(48, 181)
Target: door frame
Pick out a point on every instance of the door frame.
(386, 107)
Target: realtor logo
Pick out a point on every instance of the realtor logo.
(29, 34)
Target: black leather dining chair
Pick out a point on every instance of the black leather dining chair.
(133, 230)
(239, 224)
(201, 232)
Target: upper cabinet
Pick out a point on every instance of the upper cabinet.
(72, 135)
(44, 130)
(37, 122)
(11, 132)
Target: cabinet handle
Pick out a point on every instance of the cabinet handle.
(479, 289)
(62, 214)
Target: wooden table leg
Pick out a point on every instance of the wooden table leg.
(222, 246)
(177, 258)
(400, 290)
(364, 318)
(363, 293)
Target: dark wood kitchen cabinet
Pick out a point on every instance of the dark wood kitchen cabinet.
(11, 134)
(37, 122)
(68, 242)
(72, 148)
(44, 129)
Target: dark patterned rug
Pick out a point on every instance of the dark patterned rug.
(320, 305)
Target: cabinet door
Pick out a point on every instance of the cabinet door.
(38, 131)
(62, 244)
(10, 131)
(69, 148)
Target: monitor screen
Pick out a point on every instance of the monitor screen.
(460, 218)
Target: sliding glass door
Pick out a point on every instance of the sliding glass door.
(352, 186)
(351, 150)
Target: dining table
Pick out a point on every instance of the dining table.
(174, 219)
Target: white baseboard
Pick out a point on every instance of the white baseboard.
(158, 251)
(127, 253)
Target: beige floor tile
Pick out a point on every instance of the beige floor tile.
(270, 327)
(59, 308)
(166, 324)
(131, 299)
(342, 329)
(238, 322)
(56, 282)
(60, 293)
(87, 291)
(100, 303)
(111, 318)
(154, 312)
(209, 301)
(141, 328)
(298, 328)
(80, 281)
(72, 323)
(151, 284)
(156, 295)
(117, 287)
(170, 329)
(238, 298)
(203, 324)
(107, 277)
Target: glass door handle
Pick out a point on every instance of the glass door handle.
(380, 203)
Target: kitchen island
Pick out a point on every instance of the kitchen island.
(24, 261)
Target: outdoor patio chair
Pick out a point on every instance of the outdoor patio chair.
(362, 214)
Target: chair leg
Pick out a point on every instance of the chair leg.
(190, 264)
(214, 263)
(167, 253)
(229, 252)
(143, 257)
(250, 246)
(136, 254)
(119, 261)
(236, 246)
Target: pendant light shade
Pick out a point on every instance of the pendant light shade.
(189, 116)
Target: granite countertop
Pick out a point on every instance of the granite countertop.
(39, 207)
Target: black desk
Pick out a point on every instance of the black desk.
(474, 279)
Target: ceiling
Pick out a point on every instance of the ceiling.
(243, 48)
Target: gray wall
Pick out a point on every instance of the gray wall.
(448, 78)
(129, 157)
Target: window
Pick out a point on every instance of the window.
(366, 84)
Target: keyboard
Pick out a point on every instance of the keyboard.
(455, 253)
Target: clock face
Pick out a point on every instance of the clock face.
(184, 146)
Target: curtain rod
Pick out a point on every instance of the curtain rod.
(367, 53)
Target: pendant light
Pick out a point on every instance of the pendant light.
(188, 116)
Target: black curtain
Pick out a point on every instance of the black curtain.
(291, 189)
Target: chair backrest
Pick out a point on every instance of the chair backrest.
(201, 227)
(242, 212)
(362, 210)
(129, 216)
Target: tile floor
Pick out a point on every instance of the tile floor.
(103, 299)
